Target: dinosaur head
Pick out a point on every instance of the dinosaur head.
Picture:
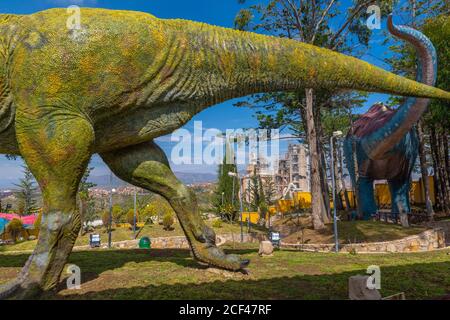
(375, 118)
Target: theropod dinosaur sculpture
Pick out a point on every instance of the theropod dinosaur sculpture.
(124, 79)
(384, 140)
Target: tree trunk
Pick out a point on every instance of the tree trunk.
(322, 164)
(439, 185)
(318, 206)
(446, 153)
(344, 185)
(444, 173)
(356, 168)
(436, 179)
(424, 171)
(324, 184)
(339, 205)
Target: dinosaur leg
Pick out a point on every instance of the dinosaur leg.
(366, 197)
(146, 166)
(57, 150)
(400, 200)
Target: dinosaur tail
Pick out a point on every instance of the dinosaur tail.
(252, 63)
(329, 69)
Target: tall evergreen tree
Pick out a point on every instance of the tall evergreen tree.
(26, 193)
(86, 202)
(226, 202)
(257, 195)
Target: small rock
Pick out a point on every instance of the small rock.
(265, 248)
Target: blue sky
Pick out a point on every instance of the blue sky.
(216, 12)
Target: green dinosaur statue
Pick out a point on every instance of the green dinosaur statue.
(124, 79)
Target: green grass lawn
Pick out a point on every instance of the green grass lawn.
(173, 274)
(122, 234)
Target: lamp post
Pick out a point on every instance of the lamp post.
(235, 174)
(110, 217)
(335, 135)
(234, 182)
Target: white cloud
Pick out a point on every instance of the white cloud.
(72, 2)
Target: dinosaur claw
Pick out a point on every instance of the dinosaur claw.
(215, 256)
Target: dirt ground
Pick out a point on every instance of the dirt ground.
(300, 230)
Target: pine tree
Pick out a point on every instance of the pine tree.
(26, 193)
(86, 201)
(257, 192)
(226, 202)
(270, 191)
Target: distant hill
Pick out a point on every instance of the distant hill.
(185, 177)
(192, 178)
(103, 181)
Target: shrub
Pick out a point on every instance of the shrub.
(130, 217)
(149, 212)
(229, 212)
(117, 213)
(168, 221)
(15, 228)
(217, 223)
(158, 207)
(105, 218)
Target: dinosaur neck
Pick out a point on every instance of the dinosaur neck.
(228, 64)
(378, 143)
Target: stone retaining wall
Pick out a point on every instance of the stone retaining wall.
(426, 241)
(180, 242)
(445, 225)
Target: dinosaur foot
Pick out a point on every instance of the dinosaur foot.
(215, 257)
(207, 252)
(19, 289)
(8, 290)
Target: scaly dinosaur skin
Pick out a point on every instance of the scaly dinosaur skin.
(396, 166)
(385, 142)
(125, 79)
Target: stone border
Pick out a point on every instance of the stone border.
(179, 242)
(428, 240)
(445, 225)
